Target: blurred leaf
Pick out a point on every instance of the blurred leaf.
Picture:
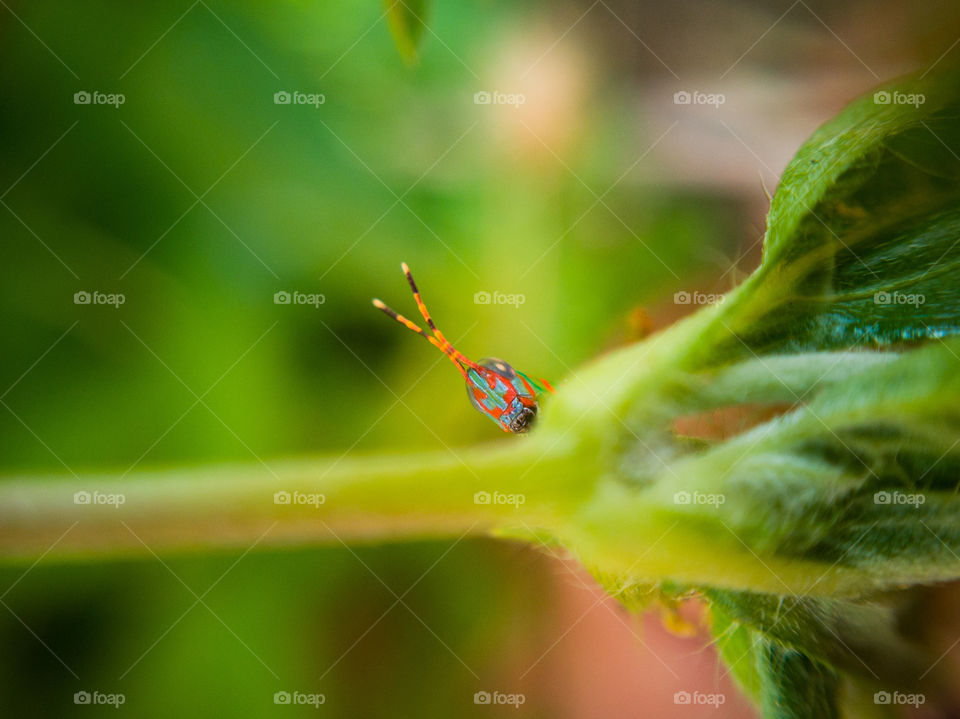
(407, 20)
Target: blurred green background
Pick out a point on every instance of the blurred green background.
(397, 164)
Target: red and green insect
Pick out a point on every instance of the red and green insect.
(505, 395)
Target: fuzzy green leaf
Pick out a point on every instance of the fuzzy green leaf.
(786, 683)
(794, 686)
(862, 240)
(863, 476)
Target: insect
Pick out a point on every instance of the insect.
(502, 393)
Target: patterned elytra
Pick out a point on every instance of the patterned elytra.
(497, 390)
(503, 394)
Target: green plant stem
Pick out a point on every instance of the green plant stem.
(375, 498)
(562, 471)
(396, 497)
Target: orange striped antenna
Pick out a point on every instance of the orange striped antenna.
(437, 339)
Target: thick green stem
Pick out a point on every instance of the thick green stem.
(374, 498)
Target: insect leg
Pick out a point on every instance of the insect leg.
(455, 356)
(443, 345)
(400, 318)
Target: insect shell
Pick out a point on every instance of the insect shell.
(497, 390)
